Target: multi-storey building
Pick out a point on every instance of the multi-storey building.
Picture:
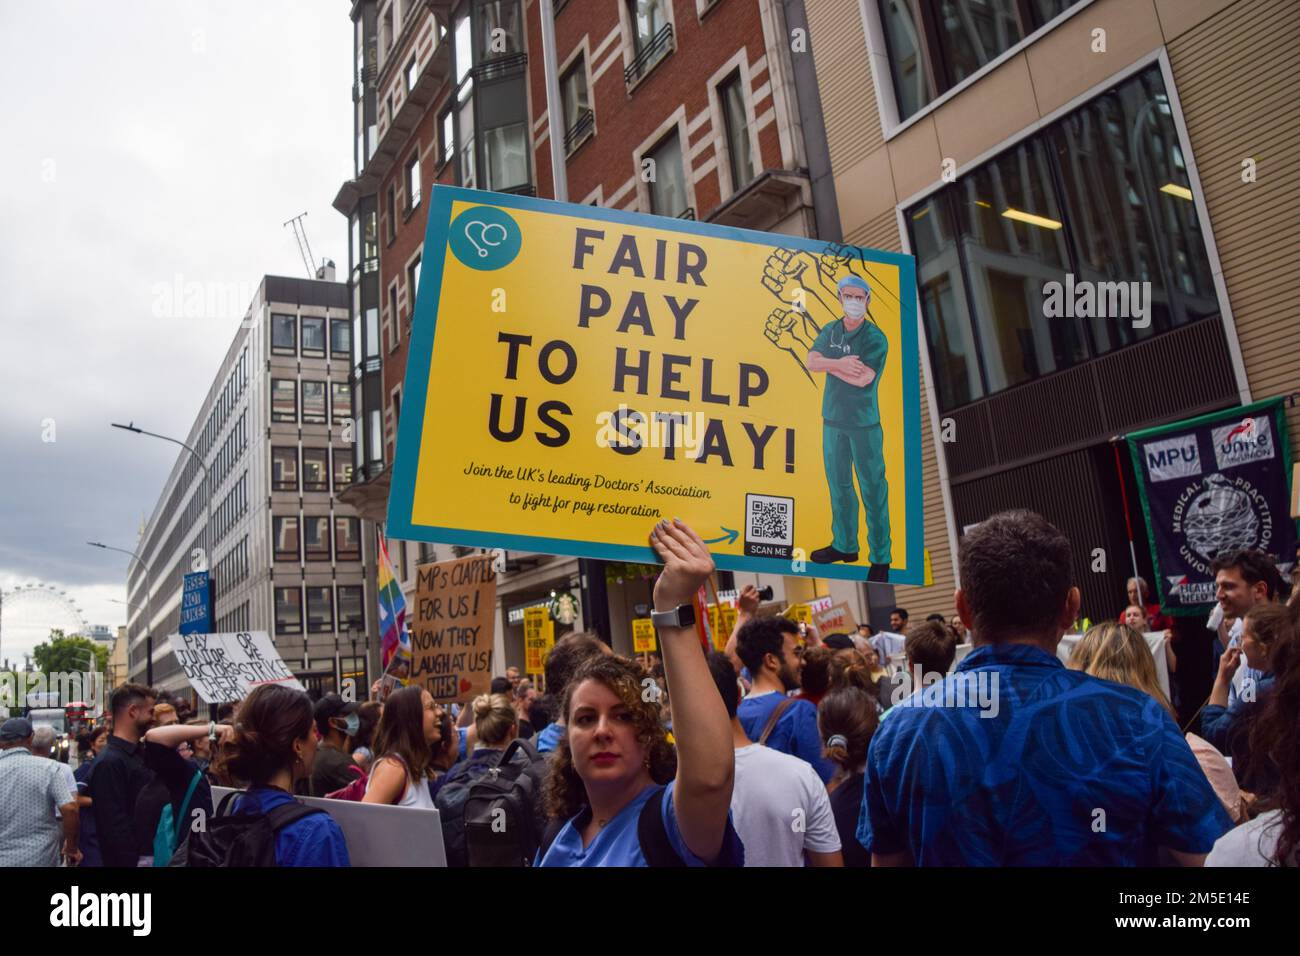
(286, 555)
(713, 95)
(1008, 144)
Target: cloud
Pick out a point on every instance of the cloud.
(149, 145)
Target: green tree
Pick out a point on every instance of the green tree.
(69, 654)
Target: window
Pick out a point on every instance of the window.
(413, 281)
(412, 74)
(316, 537)
(320, 610)
(347, 539)
(392, 312)
(284, 400)
(341, 401)
(313, 336)
(313, 403)
(352, 613)
(448, 126)
(668, 187)
(315, 469)
(340, 339)
(413, 180)
(284, 468)
(390, 210)
(284, 532)
(651, 36)
(933, 45)
(499, 28)
(467, 167)
(386, 35)
(342, 470)
(464, 49)
(505, 155)
(288, 611)
(284, 335)
(1086, 196)
(578, 117)
(731, 95)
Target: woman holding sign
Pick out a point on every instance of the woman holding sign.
(612, 777)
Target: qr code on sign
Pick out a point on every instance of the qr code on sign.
(769, 525)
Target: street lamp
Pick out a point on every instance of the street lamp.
(207, 484)
(148, 598)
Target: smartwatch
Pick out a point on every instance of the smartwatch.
(683, 615)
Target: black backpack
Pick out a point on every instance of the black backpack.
(239, 839)
(493, 815)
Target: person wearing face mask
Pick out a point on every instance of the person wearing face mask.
(337, 722)
(851, 351)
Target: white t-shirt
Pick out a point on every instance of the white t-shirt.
(1251, 844)
(780, 808)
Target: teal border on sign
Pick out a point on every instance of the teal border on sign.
(415, 394)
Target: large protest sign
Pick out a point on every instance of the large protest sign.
(539, 637)
(451, 642)
(226, 667)
(1211, 485)
(577, 373)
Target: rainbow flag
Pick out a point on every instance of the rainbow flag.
(395, 640)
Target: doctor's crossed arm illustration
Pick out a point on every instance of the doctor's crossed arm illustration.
(851, 352)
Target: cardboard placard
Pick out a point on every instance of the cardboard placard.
(226, 667)
(451, 642)
(643, 636)
(539, 637)
(838, 617)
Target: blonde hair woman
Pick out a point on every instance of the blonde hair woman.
(1119, 653)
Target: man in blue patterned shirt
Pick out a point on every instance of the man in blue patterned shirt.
(1013, 760)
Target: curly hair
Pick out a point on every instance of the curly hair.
(564, 793)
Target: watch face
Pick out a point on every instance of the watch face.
(686, 615)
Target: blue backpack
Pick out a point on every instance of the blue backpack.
(167, 835)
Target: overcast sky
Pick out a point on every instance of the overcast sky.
(146, 144)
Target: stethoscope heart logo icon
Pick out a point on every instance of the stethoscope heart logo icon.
(486, 232)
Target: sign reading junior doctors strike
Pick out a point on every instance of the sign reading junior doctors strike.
(578, 373)
(451, 638)
(226, 667)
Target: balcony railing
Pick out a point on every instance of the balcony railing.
(579, 131)
(649, 55)
(527, 189)
(687, 213)
(500, 67)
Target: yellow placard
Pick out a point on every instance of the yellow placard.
(643, 636)
(539, 637)
(578, 373)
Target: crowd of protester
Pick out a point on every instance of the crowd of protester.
(963, 741)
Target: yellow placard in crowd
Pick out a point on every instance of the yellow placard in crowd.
(539, 637)
(643, 636)
(578, 373)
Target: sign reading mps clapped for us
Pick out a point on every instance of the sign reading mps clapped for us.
(578, 373)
